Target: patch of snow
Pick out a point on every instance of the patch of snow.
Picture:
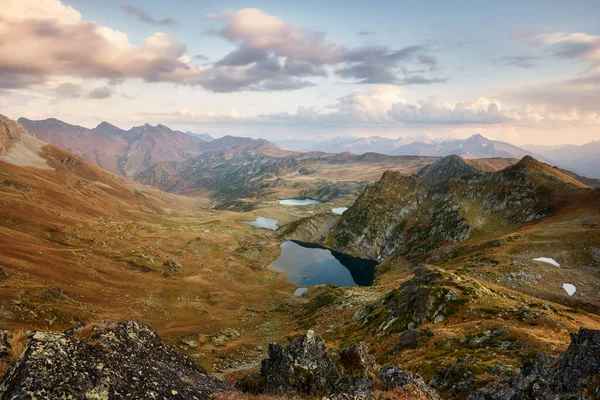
(339, 210)
(547, 260)
(569, 288)
(300, 291)
(206, 230)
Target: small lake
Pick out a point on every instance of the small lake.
(262, 222)
(299, 202)
(308, 264)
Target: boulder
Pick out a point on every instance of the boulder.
(305, 368)
(108, 360)
(302, 367)
(574, 375)
(395, 378)
(357, 361)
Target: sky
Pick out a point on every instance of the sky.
(519, 71)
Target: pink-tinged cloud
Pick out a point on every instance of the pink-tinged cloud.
(50, 39)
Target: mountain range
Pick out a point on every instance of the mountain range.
(475, 146)
(464, 290)
(583, 159)
(119, 151)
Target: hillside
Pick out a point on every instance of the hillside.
(80, 244)
(448, 201)
(581, 159)
(118, 151)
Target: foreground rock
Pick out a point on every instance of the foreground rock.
(575, 375)
(108, 360)
(304, 367)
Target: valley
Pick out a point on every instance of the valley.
(456, 285)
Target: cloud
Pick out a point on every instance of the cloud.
(434, 111)
(523, 61)
(41, 45)
(143, 16)
(421, 80)
(261, 37)
(383, 106)
(102, 92)
(570, 46)
(580, 92)
(68, 90)
(379, 64)
(365, 33)
(270, 54)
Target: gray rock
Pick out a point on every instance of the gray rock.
(111, 360)
(357, 361)
(395, 378)
(575, 375)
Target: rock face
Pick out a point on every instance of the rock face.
(396, 378)
(19, 147)
(575, 375)
(116, 150)
(448, 167)
(304, 367)
(108, 360)
(411, 215)
(431, 295)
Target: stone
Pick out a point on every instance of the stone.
(107, 360)
(574, 375)
(357, 361)
(395, 378)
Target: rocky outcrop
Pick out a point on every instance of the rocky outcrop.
(309, 229)
(457, 380)
(108, 360)
(410, 216)
(431, 295)
(304, 367)
(396, 378)
(448, 167)
(18, 146)
(573, 375)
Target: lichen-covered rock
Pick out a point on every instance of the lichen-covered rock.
(305, 368)
(397, 378)
(575, 375)
(457, 380)
(431, 295)
(357, 361)
(4, 343)
(108, 360)
(302, 367)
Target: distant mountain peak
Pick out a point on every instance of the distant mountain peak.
(104, 124)
(478, 136)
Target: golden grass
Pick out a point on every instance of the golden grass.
(16, 343)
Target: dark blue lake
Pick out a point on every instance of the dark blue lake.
(308, 264)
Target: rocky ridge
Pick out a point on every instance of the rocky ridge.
(449, 202)
(305, 367)
(113, 360)
(107, 360)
